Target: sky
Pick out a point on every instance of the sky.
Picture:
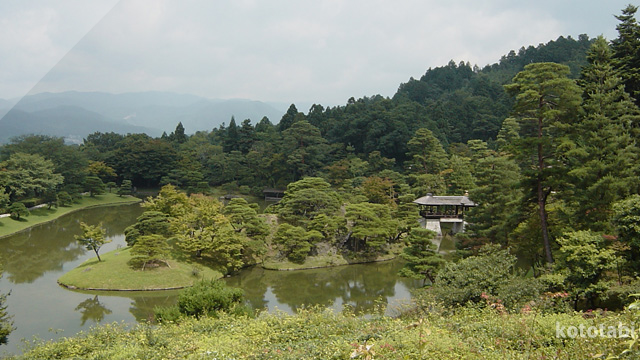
(286, 51)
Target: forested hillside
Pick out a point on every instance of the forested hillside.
(546, 142)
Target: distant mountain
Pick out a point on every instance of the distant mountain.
(156, 111)
(71, 122)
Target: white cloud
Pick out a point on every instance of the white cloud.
(281, 50)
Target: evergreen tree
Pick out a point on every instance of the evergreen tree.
(94, 185)
(304, 147)
(149, 250)
(601, 152)
(498, 196)
(246, 136)
(546, 102)
(149, 223)
(289, 118)
(459, 178)
(6, 322)
(626, 51)
(426, 153)
(178, 135)
(423, 260)
(371, 226)
(18, 210)
(295, 242)
(625, 217)
(125, 188)
(231, 139)
(307, 198)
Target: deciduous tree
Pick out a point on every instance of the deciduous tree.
(92, 238)
(203, 229)
(25, 175)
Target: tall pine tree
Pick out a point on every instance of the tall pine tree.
(601, 152)
(626, 51)
(546, 103)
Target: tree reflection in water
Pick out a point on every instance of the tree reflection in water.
(31, 253)
(361, 287)
(92, 309)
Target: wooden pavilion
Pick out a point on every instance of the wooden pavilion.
(273, 194)
(438, 209)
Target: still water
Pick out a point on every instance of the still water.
(33, 260)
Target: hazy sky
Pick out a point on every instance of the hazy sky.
(278, 50)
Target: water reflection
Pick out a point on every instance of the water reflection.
(140, 304)
(359, 286)
(28, 255)
(92, 309)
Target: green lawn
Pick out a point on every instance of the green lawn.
(113, 273)
(9, 226)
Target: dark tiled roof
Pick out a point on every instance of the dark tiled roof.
(444, 200)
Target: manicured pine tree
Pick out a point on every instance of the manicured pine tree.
(125, 188)
(149, 250)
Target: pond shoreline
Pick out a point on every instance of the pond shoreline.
(266, 267)
(133, 200)
(73, 287)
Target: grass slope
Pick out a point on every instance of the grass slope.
(9, 226)
(113, 273)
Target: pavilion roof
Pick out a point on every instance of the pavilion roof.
(444, 200)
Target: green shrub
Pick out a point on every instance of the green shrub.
(18, 210)
(64, 199)
(167, 314)
(491, 273)
(208, 297)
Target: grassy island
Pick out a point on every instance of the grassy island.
(114, 273)
(38, 216)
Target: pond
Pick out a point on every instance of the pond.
(33, 261)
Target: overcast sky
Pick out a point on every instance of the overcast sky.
(289, 51)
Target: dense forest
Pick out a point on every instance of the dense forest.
(546, 142)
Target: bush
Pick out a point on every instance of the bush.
(64, 199)
(208, 297)
(167, 314)
(490, 273)
(18, 210)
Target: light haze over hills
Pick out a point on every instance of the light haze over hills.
(74, 115)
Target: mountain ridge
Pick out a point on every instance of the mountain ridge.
(151, 112)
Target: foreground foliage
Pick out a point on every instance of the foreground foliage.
(468, 333)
